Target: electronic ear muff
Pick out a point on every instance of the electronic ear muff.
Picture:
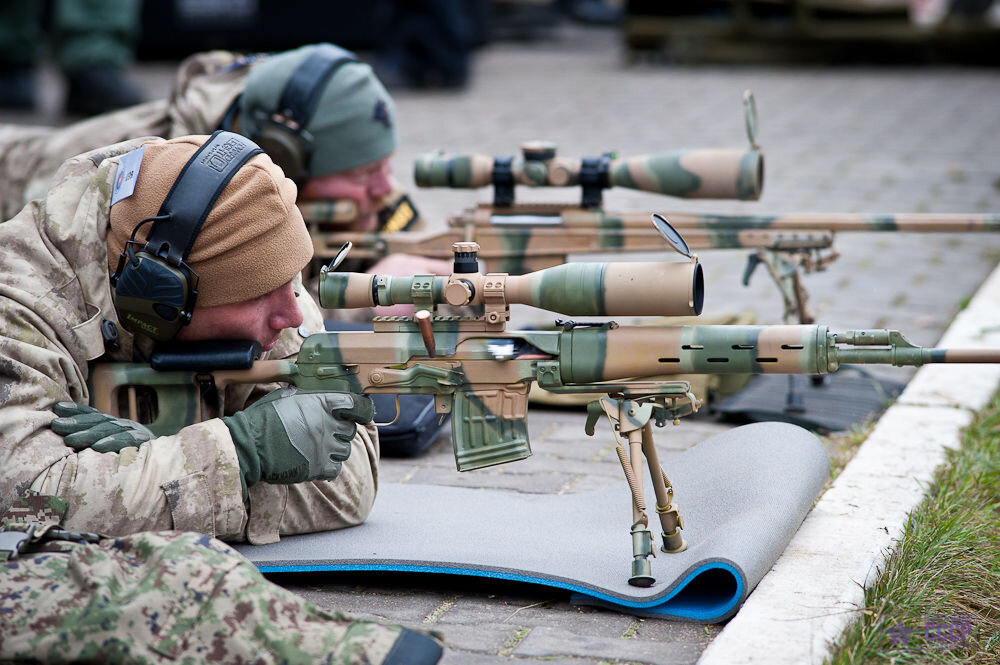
(155, 289)
(281, 133)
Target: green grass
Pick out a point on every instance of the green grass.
(937, 598)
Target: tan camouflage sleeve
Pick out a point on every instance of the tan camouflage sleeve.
(322, 505)
(47, 338)
(188, 481)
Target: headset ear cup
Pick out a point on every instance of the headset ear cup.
(153, 297)
(285, 149)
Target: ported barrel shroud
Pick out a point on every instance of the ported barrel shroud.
(690, 174)
(573, 289)
(604, 353)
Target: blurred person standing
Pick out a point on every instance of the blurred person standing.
(91, 41)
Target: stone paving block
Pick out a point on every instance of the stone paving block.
(551, 609)
(655, 630)
(534, 483)
(607, 468)
(545, 642)
(589, 482)
(479, 639)
(356, 595)
(466, 658)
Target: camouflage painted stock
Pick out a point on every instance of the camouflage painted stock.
(480, 372)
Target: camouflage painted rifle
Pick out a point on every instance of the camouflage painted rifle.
(530, 237)
(480, 372)
(517, 238)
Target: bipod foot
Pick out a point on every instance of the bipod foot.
(642, 547)
(673, 542)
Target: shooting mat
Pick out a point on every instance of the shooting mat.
(742, 495)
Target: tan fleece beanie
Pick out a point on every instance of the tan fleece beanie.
(254, 239)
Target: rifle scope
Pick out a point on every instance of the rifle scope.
(692, 174)
(572, 289)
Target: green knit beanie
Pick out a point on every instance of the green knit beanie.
(354, 122)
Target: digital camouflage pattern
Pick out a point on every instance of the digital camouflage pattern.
(54, 294)
(159, 597)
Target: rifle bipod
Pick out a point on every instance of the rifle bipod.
(636, 421)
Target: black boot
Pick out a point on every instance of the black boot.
(413, 648)
(98, 89)
(17, 87)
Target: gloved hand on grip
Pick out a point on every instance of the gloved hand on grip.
(84, 426)
(292, 436)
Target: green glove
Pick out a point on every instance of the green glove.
(292, 436)
(84, 426)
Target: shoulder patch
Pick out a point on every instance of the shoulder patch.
(381, 114)
(128, 172)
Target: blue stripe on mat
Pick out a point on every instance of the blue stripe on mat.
(708, 593)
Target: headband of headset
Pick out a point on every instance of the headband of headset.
(281, 132)
(194, 193)
(305, 86)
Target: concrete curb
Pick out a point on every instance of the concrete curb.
(815, 588)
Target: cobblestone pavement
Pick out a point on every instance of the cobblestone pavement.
(836, 140)
(839, 140)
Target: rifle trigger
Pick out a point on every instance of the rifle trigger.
(752, 262)
(205, 380)
(594, 412)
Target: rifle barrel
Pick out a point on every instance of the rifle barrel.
(562, 216)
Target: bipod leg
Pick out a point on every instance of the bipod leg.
(642, 537)
(670, 519)
(794, 401)
(630, 418)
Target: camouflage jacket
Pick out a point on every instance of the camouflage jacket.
(54, 293)
(205, 86)
(158, 597)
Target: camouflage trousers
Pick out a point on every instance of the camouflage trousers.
(167, 596)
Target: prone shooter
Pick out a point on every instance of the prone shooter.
(480, 372)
